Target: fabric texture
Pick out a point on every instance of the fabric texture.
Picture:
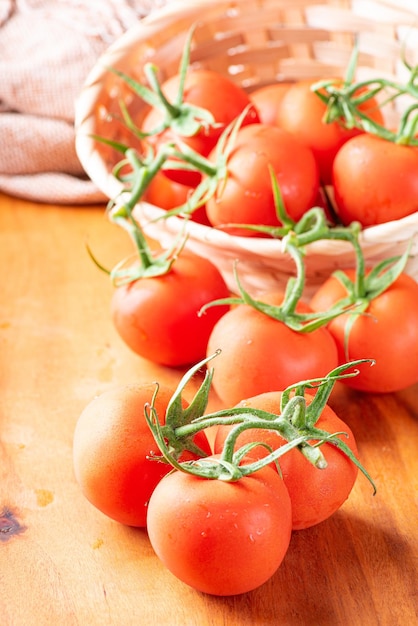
(47, 48)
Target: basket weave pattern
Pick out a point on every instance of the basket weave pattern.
(255, 42)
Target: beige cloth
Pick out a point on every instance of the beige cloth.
(47, 48)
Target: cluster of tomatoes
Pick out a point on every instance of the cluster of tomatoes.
(218, 526)
(219, 510)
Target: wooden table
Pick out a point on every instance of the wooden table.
(64, 563)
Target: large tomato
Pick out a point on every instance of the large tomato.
(157, 317)
(246, 196)
(222, 538)
(209, 90)
(259, 353)
(375, 180)
(315, 494)
(301, 112)
(387, 331)
(113, 449)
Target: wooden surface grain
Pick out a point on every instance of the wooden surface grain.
(64, 563)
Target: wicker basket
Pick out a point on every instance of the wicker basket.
(256, 42)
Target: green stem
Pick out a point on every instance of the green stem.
(172, 110)
(292, 423)
(295, 288)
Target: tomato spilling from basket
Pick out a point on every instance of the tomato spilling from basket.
(255, 182)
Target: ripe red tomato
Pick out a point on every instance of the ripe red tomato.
(158, 317)
(301, 112)
(315, 494)
(167, 194)
(259, 353)
(246, 196)
(375, 180)
(222, 538)
(267, 101)
(111, 449)
(209, 90)
(387, 332)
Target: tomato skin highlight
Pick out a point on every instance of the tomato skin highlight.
(221, 538)
(111, 445)
(315, 494)
(387, 332)
(246, 196)
(158, 317)
(375, 181)
(259, 353)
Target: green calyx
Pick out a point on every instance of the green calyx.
(181, 117)
(295, 421)
(344, 101)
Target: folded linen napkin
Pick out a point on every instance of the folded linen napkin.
(47, 48)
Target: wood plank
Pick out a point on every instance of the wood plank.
(62, 562)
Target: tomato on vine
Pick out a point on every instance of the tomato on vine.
(377, 309)
(201, 89)
(244, 193)
(222, 538)
(375, 180)
(262, 353)
(222, 523)
(158, 316)
(116, 460)
(383, 327)
(302, 113)
(315, 494)
(159, 294)
(267, 343)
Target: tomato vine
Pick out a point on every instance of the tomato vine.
(295, 421)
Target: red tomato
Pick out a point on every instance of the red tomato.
(209, 90)
(315, 494)
(375, 180)
(387, 332)
(267, 101)
(222, 538)
(167, 194)
(111, 449)
(259, 353)
(158, 317)
(246, 197)
(301, 112)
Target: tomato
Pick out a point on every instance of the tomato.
(386, 332)
(167, 194)
(209, 90)
(157, 317)
(375, 180)
(246, 196)
(111, 448)
(259, 353)
(301, 112)
(315, 494)
(222, 538)
(267, 100)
